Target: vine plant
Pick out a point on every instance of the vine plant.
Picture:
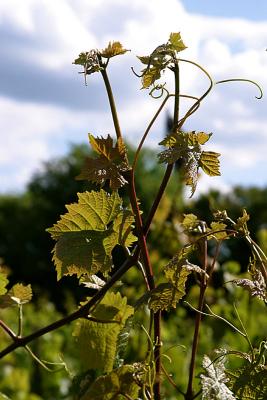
(86, 235)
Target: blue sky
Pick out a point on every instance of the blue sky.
(252, 10)
(44, 105)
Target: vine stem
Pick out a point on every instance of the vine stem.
(189, 393)
(80, 313)
(112, 103)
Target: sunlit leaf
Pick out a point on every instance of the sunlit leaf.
(216, 227)
(176, 42)
(120, 384)
(190, 222)
(241, 224)
(210, 163)
(186, 146)
(97, 341)
(86, 235)
(20, 293)
(113, 49)
(198, 138)
(164, 297)
(110, 164)
(150, 76)
(3, 283)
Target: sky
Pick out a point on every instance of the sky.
(45, 106)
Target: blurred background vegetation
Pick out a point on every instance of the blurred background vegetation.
(25, 249)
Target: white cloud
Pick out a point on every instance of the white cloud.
(51, 33)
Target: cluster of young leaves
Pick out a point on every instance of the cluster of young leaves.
(109, 165)
(86, 235)
(186, 146)
(164, 56)
(96, 60)
(256, 285)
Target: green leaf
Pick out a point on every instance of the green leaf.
(195, 138)
(20, 293)
(187, 146)
(110, 164)
(117, 385)
(86, 235)
(113, 49)
(218, 226)
(150, 76)
(249, 382)
(166, 296)
(144, 59)
(90, 62)
(209, 163)
(190, 222)
(97, 341)
(3, 283)
(176, 42)
(241, 224)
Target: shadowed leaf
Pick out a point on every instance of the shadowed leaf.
(117, 385)
(97, 341)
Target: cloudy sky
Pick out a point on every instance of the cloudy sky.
(44, 105)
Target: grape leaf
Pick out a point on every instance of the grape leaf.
(109, 165)
(190, 222)
(241, 224)
(117, 385)
(214, 381)
(20, 293)
(150, 76)
(86, 235)
(162, 57)
(3, 283)
(166, 295)
(218, 226)
(113, 49)
(249, 382)
(187, 147)
(176, 43)
(209, 163)
(90, 62)
(97, 341)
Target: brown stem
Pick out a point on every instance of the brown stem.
(80, 313)
(8, 330)
(189, 393)
(139, 229)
